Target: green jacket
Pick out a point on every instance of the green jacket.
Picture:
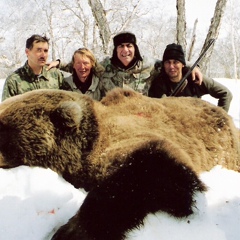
(24, 80)
(136, 77)
(161, 86)
(97, 89)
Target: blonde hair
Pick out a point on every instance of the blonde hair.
(86, 53)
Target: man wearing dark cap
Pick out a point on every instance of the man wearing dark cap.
(127, 68)
(172, 72)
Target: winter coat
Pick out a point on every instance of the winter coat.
(161, 86)
(24, 80)
(136, 77)
(98, 87)
(97, 90)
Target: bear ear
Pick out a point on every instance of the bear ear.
(67, 114)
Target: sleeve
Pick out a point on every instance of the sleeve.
(158, 88)
(9, 88)
(106, 85)
(65, 85)
(219, 91)
(61, 78)
(67, 67)
(55, 76)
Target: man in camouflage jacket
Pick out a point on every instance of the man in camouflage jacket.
(34, 74)
(127, 68)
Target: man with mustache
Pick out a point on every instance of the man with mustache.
(33, 75)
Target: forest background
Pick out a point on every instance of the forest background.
(71, 24)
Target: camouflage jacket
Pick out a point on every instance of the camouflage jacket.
(96, 91)
(137, 77)
(24, 80)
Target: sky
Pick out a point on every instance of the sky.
(34, 202)
(202, 10)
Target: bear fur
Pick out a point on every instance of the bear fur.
(133, 154)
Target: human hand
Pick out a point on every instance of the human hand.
(197, 76)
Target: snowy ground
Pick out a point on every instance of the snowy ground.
(34, 202)
(234, 86)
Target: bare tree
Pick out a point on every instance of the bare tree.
(77, 11)
(232, 40)
(213, 31)
(181, 24)
(193, 40)
(116, 16)
(72, 24)
(229, 46)
(102, 23)
(48, 10)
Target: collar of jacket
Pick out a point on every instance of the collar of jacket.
(93, 86)
(118, 65)
(31, 76)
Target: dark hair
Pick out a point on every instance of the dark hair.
(35, 38)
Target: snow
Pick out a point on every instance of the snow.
(35, 202)
(217, 216)
(234, 86)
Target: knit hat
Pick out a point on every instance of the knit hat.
(124, 37)
(174, 51)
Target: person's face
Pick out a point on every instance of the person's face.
(82, 66)
(37, 56)
(173, 69)
(125, 53)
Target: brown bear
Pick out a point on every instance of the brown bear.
(133, 154)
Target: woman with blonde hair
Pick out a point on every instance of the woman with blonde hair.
(86, 75)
